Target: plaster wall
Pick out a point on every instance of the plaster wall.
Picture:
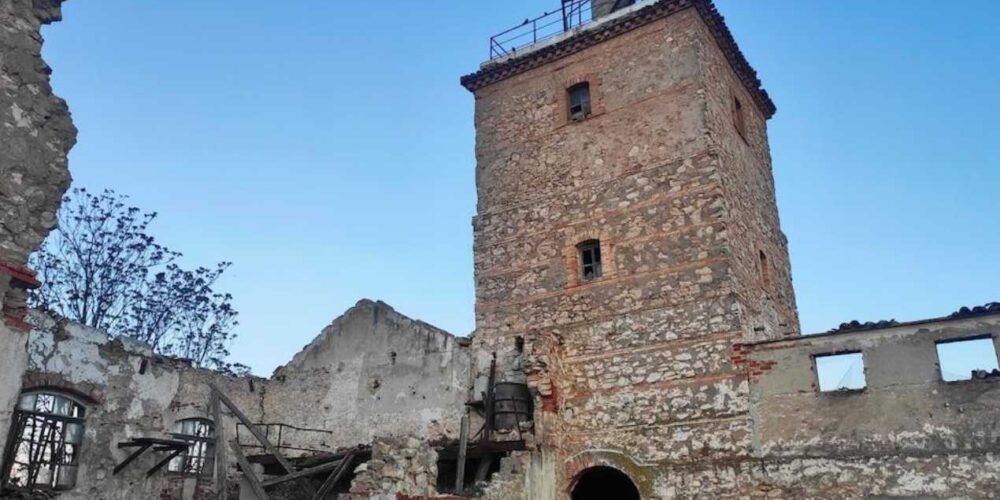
(907, 433)
(373, 372)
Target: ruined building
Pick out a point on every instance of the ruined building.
(636, 328)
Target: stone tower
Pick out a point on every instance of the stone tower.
(627, 240)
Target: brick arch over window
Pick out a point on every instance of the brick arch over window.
(88, 394)
(561, 116)
(571, 257)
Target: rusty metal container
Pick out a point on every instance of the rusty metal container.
(512, 404)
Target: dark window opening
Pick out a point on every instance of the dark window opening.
(519, 344)
(590, 259)
(579, 101)
(739, 120)
(842, 372)
(604, 483)
(967, 359)
(45, 438)
(764, 269)
(200, 433)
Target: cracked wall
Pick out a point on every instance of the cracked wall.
(373, 374)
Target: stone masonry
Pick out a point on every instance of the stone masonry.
(36, 134)
(679, 369)
(637, 361)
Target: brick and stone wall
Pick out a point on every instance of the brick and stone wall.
(640, 361)
(36, 134)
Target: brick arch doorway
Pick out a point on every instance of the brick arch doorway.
(603, 483)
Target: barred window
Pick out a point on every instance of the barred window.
(200, 433)
(46, 433)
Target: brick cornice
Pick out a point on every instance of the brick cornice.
(24, 276)
(495, 72)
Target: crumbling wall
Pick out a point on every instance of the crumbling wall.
(399, 466)
(128, 392)
(373, 372)
(906, 434)
(36, 134)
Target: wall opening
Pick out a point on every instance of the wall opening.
(967, 359)
(604, 483)
(840, 372)
(200, 455)
(590, 259)
(46, 433)
(579, 101)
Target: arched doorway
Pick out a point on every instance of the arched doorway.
(604, 483)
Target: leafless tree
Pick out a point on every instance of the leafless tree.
(102, 268)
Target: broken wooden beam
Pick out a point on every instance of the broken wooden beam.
(332, 480)
(270, 448)
(248, 472)
(463, 443)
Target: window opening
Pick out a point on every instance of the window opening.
(46, 433)
(765, 270)
(200, 435)
(739, 120)
(967, 359)
(579, 101)
(590, 259)
(841, 372)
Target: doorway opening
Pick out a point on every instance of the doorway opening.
(604, 483)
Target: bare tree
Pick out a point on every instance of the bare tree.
(101, 268)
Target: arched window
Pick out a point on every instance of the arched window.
(602, 483)
(200, 433)
(46, 434)
(590, 259)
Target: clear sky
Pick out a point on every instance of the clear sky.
(326, 148)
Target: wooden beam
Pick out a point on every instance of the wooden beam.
(221, 466)
(270, 448)
(312, 471)
(165, 461)
(332, 480)
(135, 454)
(248, 471)
(463, 442)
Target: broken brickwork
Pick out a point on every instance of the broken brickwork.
(36, 134)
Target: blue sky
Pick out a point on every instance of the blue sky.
(326, 148)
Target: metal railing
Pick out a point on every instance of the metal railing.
(285, 437)
(572, 14)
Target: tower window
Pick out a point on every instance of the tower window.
(765, 270)
(47, 432)
(199, 433)
(590, 259)
(579, 101)
(738, 119)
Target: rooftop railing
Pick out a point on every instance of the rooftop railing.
(572, 14)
